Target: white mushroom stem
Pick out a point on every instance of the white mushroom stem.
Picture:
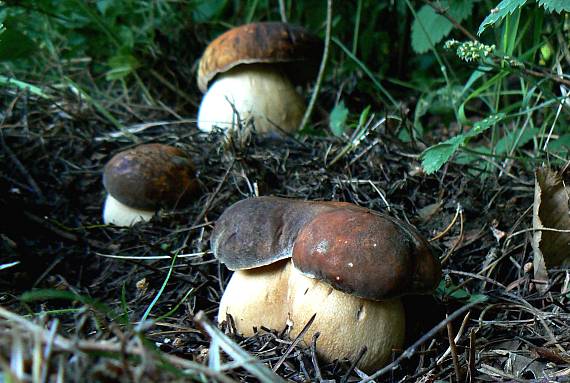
(256, 298)
(253, 93)
(119, 214)
(272, 296)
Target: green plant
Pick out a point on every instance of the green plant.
(512, 91)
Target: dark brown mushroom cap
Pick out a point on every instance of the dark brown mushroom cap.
(150, 176)
(266, 42)
(352, 248)
(258, 231)
(366, 254)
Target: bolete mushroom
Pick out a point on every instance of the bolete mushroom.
(141, 180)
(253, 68)
(347, 264)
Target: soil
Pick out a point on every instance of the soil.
(51, 197)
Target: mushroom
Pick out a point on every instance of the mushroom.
(347, 264)
(253, 68)
(141, 180)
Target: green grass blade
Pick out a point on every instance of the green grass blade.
(383, 91)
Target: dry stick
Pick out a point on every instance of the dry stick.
(476, 276)
(353, 364)
(213, 195)
(544, 74)
(62, 343)
(459, 240)
(453, 348)
(472, 355)
(46, 224)
(444, 232)
(322, 67)
(443, 12)
(412, 349)
(318, 376)
(21, 168)
(457, 337)
(48, 351)
(295, 342)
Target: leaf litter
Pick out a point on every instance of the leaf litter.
(72, 310)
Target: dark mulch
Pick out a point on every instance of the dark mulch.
(51, 197)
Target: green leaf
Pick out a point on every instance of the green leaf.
(477, 93)
(561, 144)
(337, 120)
(15, 45)
(104, 5)
(452, 291)
(480, 126)
(121, 65)
(435, 156)
(429, 27)
(555, 5)
(502, 10)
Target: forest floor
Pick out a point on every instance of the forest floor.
(91, 284)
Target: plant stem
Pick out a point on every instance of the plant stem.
(367, 71)
(443, 12)
(356, 27)
(322, 68)
(282, 11)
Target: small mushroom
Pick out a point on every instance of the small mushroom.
(253, 68)
(141, 180)
(347, 264)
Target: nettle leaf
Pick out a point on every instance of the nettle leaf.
(480, 126)
(555, 5)
(502, 10)
(562, 144)
(435, 156)
(337, 119)
(429, 27)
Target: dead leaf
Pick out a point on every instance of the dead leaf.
(427, 212)
(550, 210)
(550, 355)
(517, 365)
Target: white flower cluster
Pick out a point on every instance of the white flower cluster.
(470, 50)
